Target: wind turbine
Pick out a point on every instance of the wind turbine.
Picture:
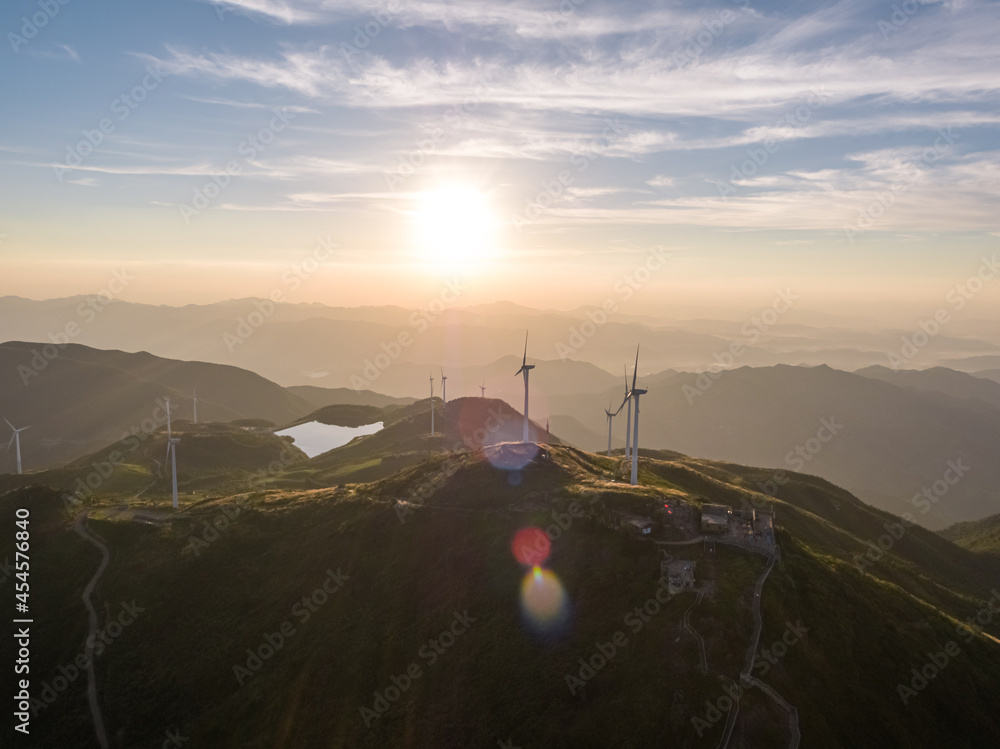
(432, 406)
(525, 368)
(170, 432)
(610, 417)
(482, 390)
(16, 440)
(172, 452)
(444, 388)
(194, 401)
(636, 392)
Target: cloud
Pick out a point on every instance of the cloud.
(221, 101)
(759, 79)
(59, 52)
(957, 193)
(483, 18)
(516, 81)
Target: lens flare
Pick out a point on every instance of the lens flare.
(531, 546)
(543, 600)
(511, 456)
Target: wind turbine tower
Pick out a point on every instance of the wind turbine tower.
(172, 450)
(432, 406)
(194, 401)
(525, 368)
(444, 389)
(636, 392)
(610, 417)
(16, 441)
(170, 431)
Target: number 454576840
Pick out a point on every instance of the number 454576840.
(21, 561)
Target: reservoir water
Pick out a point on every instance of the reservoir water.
(314, 438)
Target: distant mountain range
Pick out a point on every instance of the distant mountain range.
(979, 388)
(895, 434)
(891, 439)
(313, 344)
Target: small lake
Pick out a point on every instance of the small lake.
(314, 438)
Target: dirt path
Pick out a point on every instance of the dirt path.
(748, 679)
(95, 708)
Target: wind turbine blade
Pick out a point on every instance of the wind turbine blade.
(635, 372)
(11, 440)
(524, 361)
(9, 424)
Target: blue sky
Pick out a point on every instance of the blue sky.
(808, 141)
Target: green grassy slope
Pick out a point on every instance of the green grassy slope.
(210, 595)
(465, 423)
(217, 457)
(980, 536)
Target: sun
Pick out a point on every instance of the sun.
(456, 228)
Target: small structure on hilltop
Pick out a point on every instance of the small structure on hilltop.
(715, 518)
(637, 525)
(679, 575)
(763, 526)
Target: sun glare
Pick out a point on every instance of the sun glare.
(456, 228)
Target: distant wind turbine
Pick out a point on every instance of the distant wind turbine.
(16, 440)
(444, 388)
(525, 368)
(432, 406)
(172, 452)
(194, 403)
(170, 432)
(636, 392)
(610, 417)
(482, 390)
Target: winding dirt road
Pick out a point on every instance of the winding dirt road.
(80, 526)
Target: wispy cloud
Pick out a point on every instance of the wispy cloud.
(58, 52)
(747, 82)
